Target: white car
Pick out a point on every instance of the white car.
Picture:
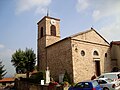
(111, 75)
(108, 84)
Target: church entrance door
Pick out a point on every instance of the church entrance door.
(97, 67)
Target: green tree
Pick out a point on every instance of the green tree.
(2, 71)
(24, 61)
(18, 59)
(30, 59)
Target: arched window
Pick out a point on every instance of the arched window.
(95, 53)
(41, 32)
(53, 30)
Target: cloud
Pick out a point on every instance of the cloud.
(41, 10)
(99, 8)
(26, 5)
(82, 5)
(112, 31)
(1, 46)
(103, 11)
(108, 10)
(6, 53)
(105, 8)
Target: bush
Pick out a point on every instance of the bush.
(37, 77)
(66, 78)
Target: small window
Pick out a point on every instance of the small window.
(83, 53)
(41, 32)
(105, 54)
(95, 53)
(53, 30)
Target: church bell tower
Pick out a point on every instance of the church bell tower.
(48, 33)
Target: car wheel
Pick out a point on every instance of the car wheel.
(105, 88)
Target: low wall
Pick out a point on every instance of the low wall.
(21, 85)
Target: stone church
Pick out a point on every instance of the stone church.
(82, 55)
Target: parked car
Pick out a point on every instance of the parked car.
(108, 84)
(112, 75)
(86, 85)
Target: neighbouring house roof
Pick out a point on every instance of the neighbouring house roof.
(20, 75)
(114, 43)
(7, 80)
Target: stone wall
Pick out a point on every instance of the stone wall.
(84, 66)
(59, 58)
(46, 39)
(21, 85)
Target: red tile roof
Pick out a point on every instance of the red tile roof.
(7, 80)
(114, 43)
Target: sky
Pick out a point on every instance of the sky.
(18, 22)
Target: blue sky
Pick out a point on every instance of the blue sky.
(18, 22)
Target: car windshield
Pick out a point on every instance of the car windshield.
(101, 76)
(79, 85)
(109, 80)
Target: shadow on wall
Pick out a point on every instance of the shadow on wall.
(115, 56)
(110, 64)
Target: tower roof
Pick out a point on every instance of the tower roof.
(48, 18)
